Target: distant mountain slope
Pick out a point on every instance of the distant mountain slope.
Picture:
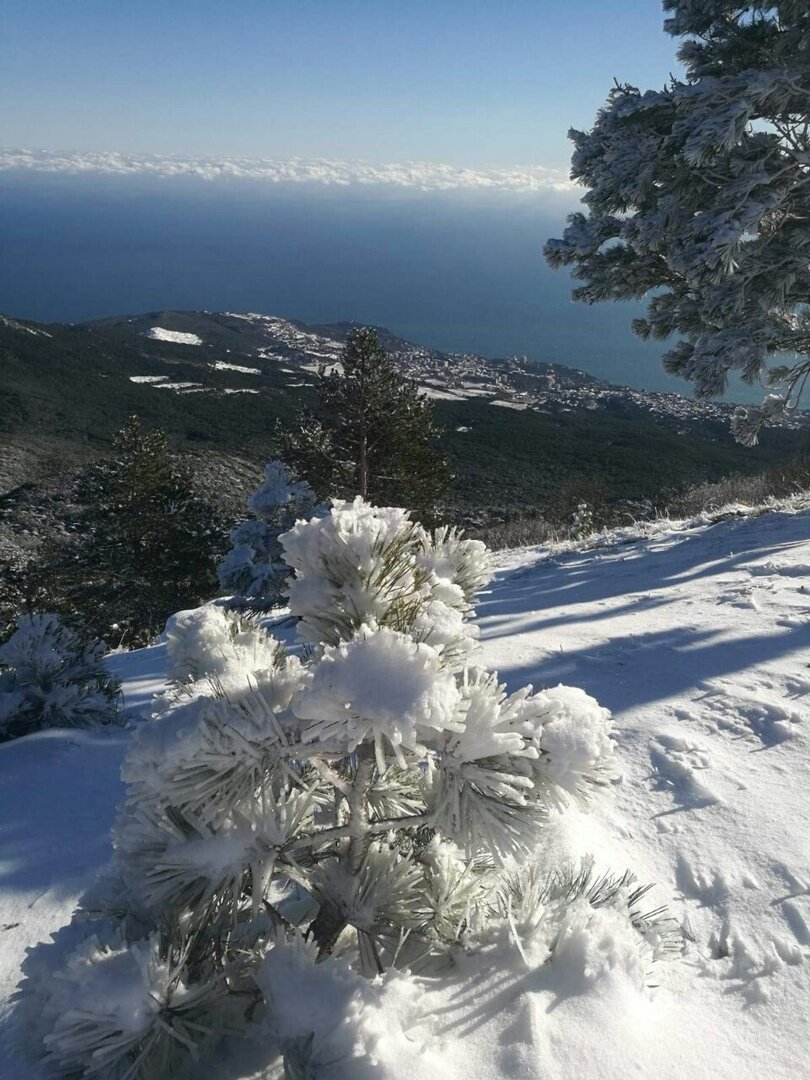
(218, 381)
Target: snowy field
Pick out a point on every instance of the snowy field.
(698, 640)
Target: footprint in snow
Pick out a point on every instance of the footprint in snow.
(771, 569)
(797, 687)
(798, 883)
(771, 722)
(739, 598)
(678, 761)
(798, 919)
(708, 887)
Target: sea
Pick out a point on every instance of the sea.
(456, 270)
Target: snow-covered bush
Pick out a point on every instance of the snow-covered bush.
(253, 570)
(213, 641)
(368, 808)
(118, 1009)
(590, 926)
(49, 679)
(363, 565)
(581, 522)
(329, 1020)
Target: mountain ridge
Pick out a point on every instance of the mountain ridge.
(221, 381)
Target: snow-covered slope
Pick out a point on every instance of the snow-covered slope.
(699, 641)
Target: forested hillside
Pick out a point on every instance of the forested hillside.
(222, 382)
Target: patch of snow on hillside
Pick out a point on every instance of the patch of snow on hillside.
(12, 324)
(157, 333)
(221, 365)
(330, 366)
(441, 395)
(182, 387)
(699, 641)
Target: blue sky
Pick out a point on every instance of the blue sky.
(468, 82)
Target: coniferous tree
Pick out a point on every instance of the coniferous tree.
(145, 546)
(254, 570)
(49, 678)
(699, 195)
(348, 814)
(23, 590)
(371, 433)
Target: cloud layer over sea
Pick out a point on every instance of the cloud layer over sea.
(420, 175)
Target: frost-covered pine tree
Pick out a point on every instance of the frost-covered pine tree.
(48, 678)
(253, 570)
(374, 806)
(581, 522)
(698, 196)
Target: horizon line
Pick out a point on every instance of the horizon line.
(418, 175)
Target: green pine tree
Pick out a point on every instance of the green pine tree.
(146, 545)
(371, 433)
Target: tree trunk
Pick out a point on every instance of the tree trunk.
(329, 923)
(362, 466)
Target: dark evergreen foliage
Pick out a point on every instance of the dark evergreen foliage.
(371, 433)
(55, 418)
(145, 545)
(22, 590)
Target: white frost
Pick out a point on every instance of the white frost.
(380, 685)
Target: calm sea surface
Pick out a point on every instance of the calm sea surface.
(456, 271)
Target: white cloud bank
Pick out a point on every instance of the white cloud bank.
(423, 176)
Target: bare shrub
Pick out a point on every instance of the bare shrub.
(521, 532)
(791, 478)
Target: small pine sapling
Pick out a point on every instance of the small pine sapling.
(214, 642)
(372, 432)
(253, 570)
(581, 522)
(362, 807)
(48, 679)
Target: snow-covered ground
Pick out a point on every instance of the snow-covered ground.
(698, 640)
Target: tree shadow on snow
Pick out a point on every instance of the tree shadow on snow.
(58, 796)
(660, 663)
(674, 661)
(601, 575)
